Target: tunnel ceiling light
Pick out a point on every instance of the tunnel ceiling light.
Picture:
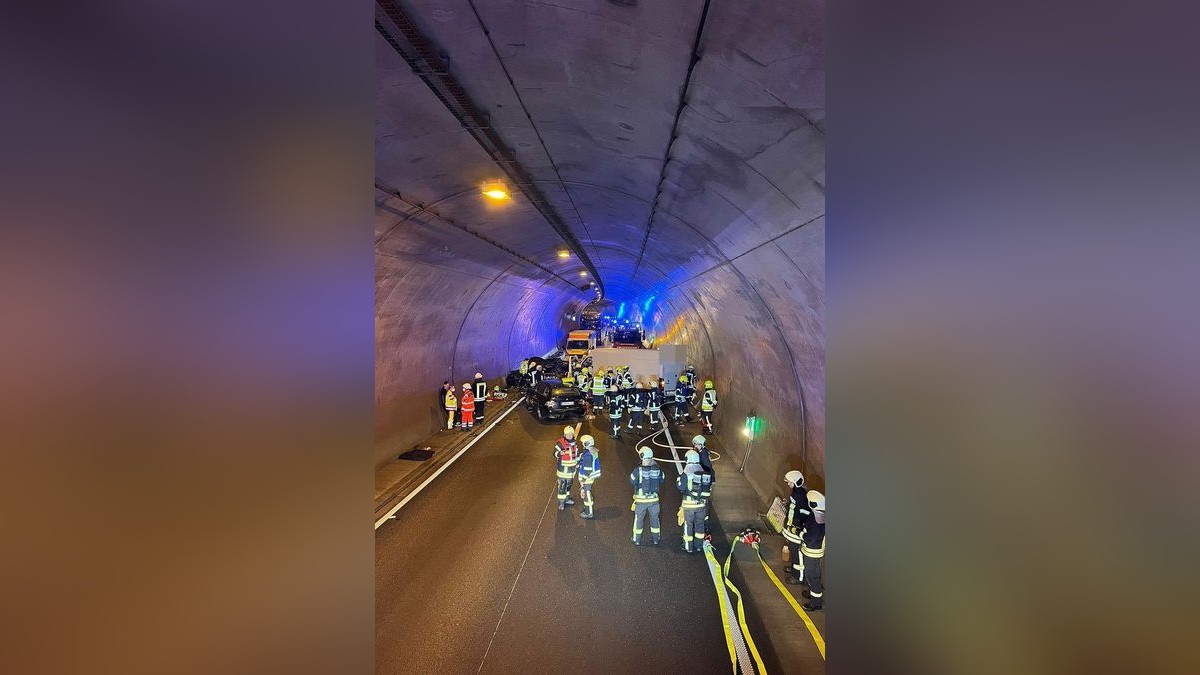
(583, 273)
(564, 254)
(495, 190)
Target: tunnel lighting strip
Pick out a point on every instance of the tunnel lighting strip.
(683, 96)
(427, 62)
(392, 514)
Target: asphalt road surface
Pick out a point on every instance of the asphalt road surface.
(480, 572)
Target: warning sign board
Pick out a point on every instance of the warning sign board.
(775, 515)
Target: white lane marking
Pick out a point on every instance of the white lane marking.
(671, 442)
(514, 586)
(437, 473)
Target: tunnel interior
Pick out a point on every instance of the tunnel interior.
(668, 157)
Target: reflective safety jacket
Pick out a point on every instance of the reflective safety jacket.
(637, 400)
(706, 462)
(627, 380)
(812, 539)
(682, 392)
(524, 367)
(584, 383)
(646, 480)
(616, 405)
(599, 388)
(709, 402)
(696, 487)
(451, 400)
(468, 402)
(589, 467)
(798, 515)
(480, 388)
(654, 399)
(567, 454)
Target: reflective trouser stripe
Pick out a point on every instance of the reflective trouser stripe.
(640, 513)
(813, 552)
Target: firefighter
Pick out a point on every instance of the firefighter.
(589, 471)
(467, 407)
(654, 402)
(682, 395)
(480, 396)
(524, 369)
(701, 448)
(616, 403)
(451, 403)
(535, 374)
(707, 405)
(696, 486)
(637, 406)
(812, 549)
(599, 387)
(627, 382)
(566, 452)
(646, 480)
(798, 514)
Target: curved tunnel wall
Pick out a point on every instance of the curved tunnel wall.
(729, 239)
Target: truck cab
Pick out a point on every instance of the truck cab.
(580, 342)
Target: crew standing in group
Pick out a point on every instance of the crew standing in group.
(589, 471)
(466, 407)
(646, 480)
(566, 452)
(481, 393)
(696, 486)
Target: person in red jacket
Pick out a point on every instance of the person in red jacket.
(466, 406)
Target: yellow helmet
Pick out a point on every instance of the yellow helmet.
(569, 432)
(708, 384)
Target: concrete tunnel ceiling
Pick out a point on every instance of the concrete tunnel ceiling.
(676, 149)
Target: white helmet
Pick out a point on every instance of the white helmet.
(816, 500)
(794, 477)
(645, 453)
(466, 386)
(569, 432)
(692, 457)
(698, 440)
(479, 376)
(587, 441)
